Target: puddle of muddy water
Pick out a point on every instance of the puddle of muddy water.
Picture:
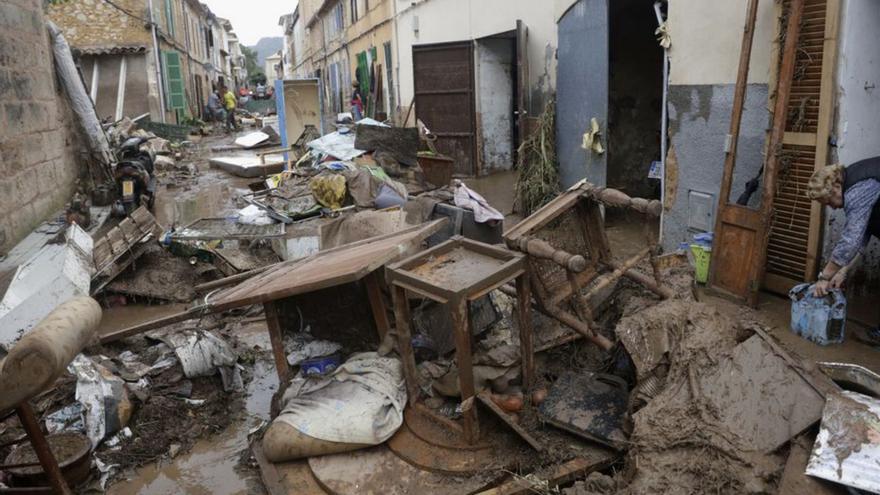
(211, 467)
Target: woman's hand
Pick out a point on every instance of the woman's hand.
(820, 288)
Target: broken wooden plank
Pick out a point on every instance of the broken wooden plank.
(558, 475)
(486, 399)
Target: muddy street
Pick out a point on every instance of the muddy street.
(439, 247)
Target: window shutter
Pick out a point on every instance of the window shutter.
(174, 77)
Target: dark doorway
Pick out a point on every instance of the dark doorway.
(635, 95)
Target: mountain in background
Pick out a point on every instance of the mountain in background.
(266, 47)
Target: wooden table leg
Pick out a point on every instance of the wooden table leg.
(377, 304)
(275, 337)
(42, 449)
(404, 342)
(526, 334)
(462, 333)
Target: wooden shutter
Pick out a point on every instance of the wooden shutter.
(174, 78)
(793, 249)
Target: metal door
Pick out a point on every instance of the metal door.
(443, 76)
(521, 129)
(582, 90)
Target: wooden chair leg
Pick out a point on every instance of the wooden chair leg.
(41, 447)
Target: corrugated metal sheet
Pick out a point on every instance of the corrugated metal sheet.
(847, 449)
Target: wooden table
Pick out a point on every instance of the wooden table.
(455, 273)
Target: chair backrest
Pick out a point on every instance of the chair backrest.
(42, 355)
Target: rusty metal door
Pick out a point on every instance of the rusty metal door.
(443, 76)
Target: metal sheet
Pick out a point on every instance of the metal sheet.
(582, 89)
(444, 79)
(206, 229)
(847, 449)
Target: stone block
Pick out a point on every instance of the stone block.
(14, 117)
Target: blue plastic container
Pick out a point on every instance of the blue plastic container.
(818, 319)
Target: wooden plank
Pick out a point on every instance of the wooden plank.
(377, 303)
(486, 399)
(404, 343)
(322, 270)
(273, 321)
(189, 314)
(559, 475)
(464, 361)
(526, 333)
(799, 139)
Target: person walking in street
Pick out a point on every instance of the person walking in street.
(856, 189)
(357, 101)
(230, 103)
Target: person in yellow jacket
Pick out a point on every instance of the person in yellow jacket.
(229, 103)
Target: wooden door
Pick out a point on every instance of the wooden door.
(443, 76)
(793, 248)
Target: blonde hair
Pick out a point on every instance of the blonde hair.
(823, 180)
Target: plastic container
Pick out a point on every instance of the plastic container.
(818, 319)
(702, 257)
(320, 365)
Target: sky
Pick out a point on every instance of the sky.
(253, 19)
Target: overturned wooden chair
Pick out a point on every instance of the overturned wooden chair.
(32, 366)
(570, 259)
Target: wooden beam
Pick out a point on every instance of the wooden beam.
(273, 321)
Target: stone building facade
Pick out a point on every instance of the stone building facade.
(126, 72)
(39, 140)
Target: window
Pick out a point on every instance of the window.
(338, 18)
(169, 16)
(354, 10)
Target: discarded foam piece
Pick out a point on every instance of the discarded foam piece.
(249, 166)
(57, 273)
(251, 140)
(847, 450)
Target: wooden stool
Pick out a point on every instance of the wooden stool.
(455, 273)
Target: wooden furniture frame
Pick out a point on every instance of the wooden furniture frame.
(588, 274)
(404, 279)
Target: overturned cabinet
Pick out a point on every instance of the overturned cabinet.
(570, 259)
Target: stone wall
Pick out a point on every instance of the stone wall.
(97, 24)
(39, 141)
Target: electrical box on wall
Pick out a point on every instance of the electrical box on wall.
(701, 211)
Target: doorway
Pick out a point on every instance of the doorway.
(610, 69)
(635, 96)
